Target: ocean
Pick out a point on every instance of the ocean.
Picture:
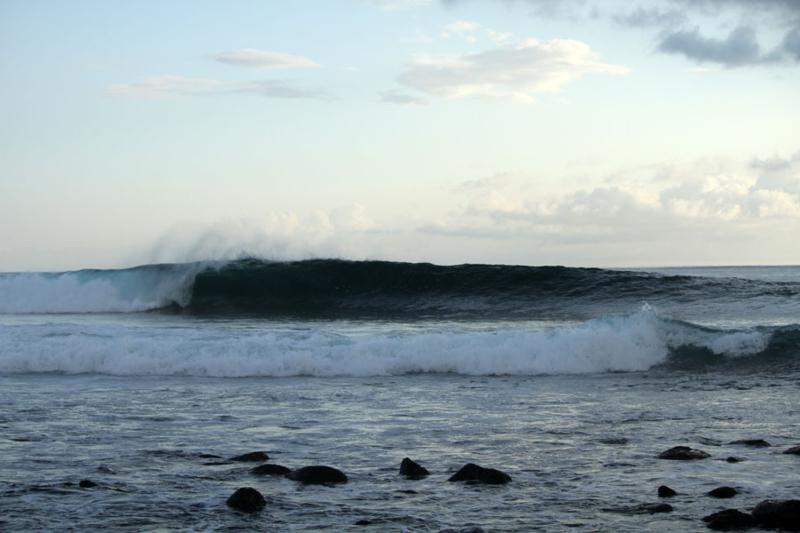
(147, 380)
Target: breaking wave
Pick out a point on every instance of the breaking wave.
(370, 289)
(622, 343)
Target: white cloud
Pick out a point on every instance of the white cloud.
(263, 59)
(172, 85)
(461, 28)
(514, 72)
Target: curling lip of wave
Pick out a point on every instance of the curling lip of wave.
(622, 343)
(333, 288)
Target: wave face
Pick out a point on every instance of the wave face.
(380, 289)
(624, 343)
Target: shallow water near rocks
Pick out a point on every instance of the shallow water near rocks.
(559, 437)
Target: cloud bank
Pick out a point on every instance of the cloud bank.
(515, 72)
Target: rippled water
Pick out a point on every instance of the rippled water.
(139, 439)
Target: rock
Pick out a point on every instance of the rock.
(723, 492)
(683, 453)
(729, 520)
(317, 475)
(794, 450)
(251, 457)
(653, 508)
(665, 492)
(733, 460)
(473, 473)
(363, 522)
(780, 514)
(412, 470)
(270, 470)
(247, 500)
(86, 484)
(754, 443)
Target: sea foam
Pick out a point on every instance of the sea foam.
(624, 343)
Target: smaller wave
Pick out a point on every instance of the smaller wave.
(627, 343)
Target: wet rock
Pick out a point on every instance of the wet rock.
(665, 492)
(250, 457)
(654, 508)
(733, 460)
(270, 470)
(473, 473)
(753, 443)
(683, 453)
(412, 470)
(723, 492)
(794, 450)
(318, 475)
(86, 484)
(779, 514)
(729, 520)
(363, 522)
(247, 500)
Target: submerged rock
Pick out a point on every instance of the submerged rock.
(653, 508)
(270, 470)
(318, 475)
(665, 492)
(473, 473)
(86, 484)
(729, 520)
(250, 457)
(683, 453)
(733, 460)
(723, 492)
(613, 440)
(412, 470)
(247, 500)
(780, 514)
(794, 450)
(754, 443)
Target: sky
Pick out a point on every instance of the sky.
(576, 132)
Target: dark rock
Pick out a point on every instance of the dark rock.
(363, 522)
(653, 508)
(247, 500)
(754, 443)
(473, 473)
(729, 520)
(270, 470)
(723, 492)
(317, 475)
(412, 470)
(794, 450)
(780, 514)
(733, 460)
(86, 484)
(208, 456)
(665, 492)
(683, 453)
(250, 457)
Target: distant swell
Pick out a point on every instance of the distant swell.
(624, 343)
(376, 289)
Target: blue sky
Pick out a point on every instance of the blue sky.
(506, 131)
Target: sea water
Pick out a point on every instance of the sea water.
(569, 380)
